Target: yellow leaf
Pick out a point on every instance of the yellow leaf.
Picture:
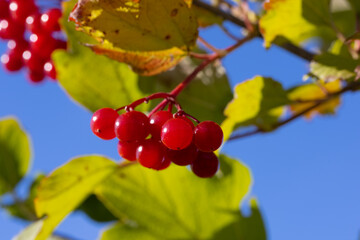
(144, 63)
(295, 20)
(134, 25)
(62, 191)
(315, 92)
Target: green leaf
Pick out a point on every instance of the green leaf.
(295, 20)
(25, 209)
(206, 18)
(251, 227)
(257, 101)
(15, 154)
(173, 204)
(62, 191)
(94, 209)
(329, 66)
(355, 5)
(307, 95)
(205, 98)
(94, 81)
(32, 231)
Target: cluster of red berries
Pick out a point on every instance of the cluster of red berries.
(160, 139)
(31, 38)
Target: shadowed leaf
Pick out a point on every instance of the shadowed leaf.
(15, 154)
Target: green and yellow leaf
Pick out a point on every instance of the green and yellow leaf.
(68, 186)
(258, 101)
(175, 204)
(15, 154)
(310, 93)
(295, 20)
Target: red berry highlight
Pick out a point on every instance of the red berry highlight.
(208, 136)
(205, 165)
(132, 126)
(50, 19)
(11, 61)
(102, 123)
(176, 134)
(157, 120)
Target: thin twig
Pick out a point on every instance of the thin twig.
(300, 52)
(211, 58)
(351, 87)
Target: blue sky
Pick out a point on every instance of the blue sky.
(305, 174)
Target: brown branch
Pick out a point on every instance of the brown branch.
(300, 52)
(351, 87)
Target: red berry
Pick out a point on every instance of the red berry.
(33, 23)
(18, 46)
(42, 44)
(182, 157)
(50, 19)
(11, 61)
(20, 9)
(150, 153)
(176, 134)
(33, 61)
(36, 76)
(205, 165)
(132, 126)
(208, 136)
(163, 165)
(50, 70)
(157, 120)
(4, 9)
(102, 123)
(60, 44)
(127, 150)
(10, 29)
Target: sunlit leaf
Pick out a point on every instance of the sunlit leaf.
(257, 101)
(150, 35)
(295, 20)
(32, 231)
(64, 189)
(329, 66)
(15, 154)
(94, 81)
(305, 95)
(144, 63)
(147, 25)
(174, 204)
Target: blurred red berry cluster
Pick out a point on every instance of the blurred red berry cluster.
(32, 36)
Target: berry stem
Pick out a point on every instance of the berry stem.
(210, 58)
(182, 113)
(167, 96)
